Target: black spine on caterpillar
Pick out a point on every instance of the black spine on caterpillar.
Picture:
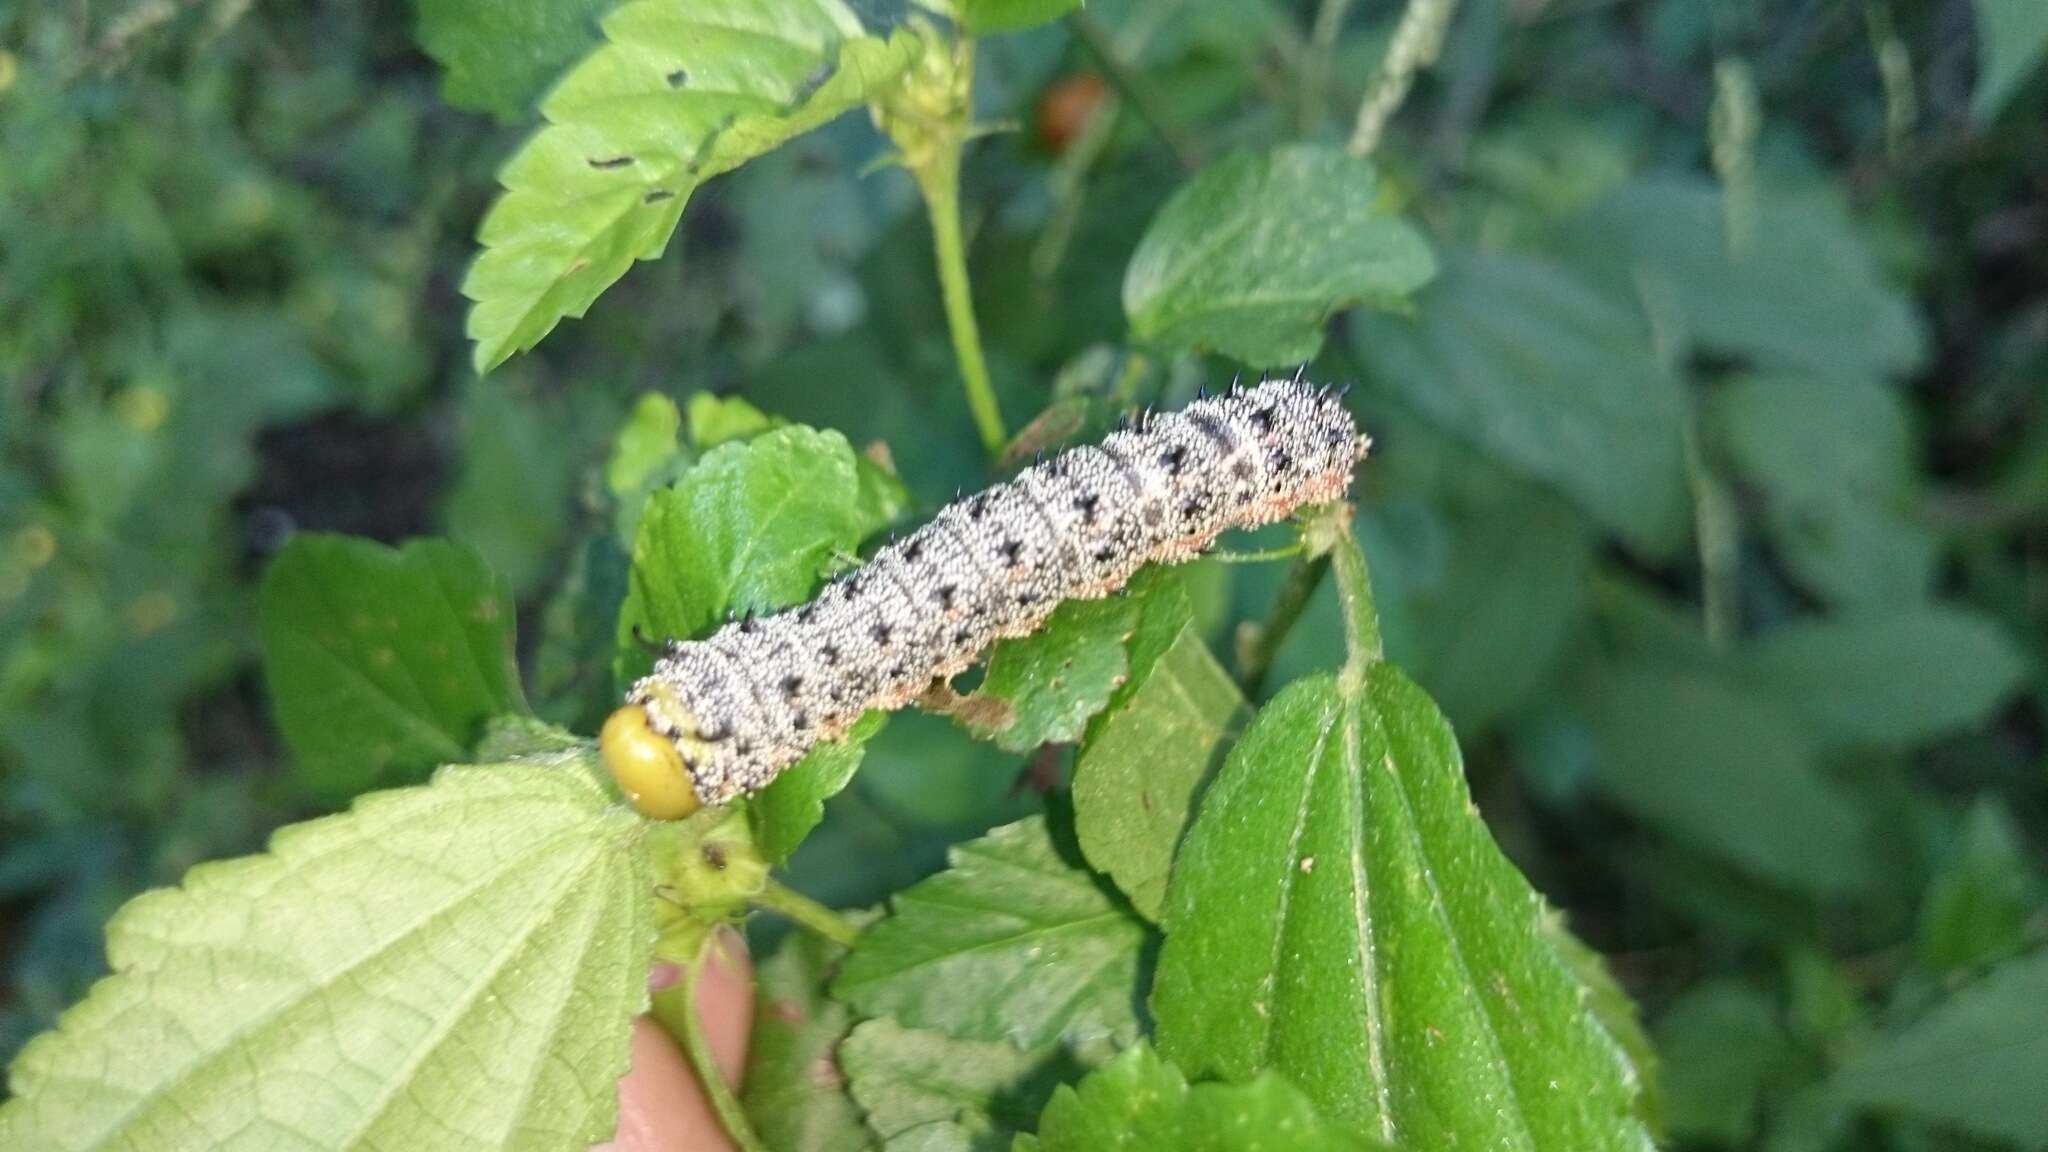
(727, 713)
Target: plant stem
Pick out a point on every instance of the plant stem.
(1303, 578)
(807, 913)
(1361, 618)
(1716, 524)
(1417, 40)
(940, 183)
(1132, 85)
(1315, 62)
(697, 1048)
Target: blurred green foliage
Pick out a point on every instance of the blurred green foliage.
(1709, 498)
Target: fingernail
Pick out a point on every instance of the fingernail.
(662, 977)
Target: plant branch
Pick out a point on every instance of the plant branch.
(806, 913)
(732, 1116)
(1417, 40)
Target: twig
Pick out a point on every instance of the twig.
(1255, 660)
(807, 913)
(732, 1116)
(1417, 40)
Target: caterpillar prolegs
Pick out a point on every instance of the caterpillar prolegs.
(720, 717)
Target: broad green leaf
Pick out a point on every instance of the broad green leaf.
(1975, 1063)
(383, 662)
(1140, 1103)
(675, 97)
(1012, 942)
(1147, 754)
(750, 528)
(795, 1091)
(981, 17)
(499, 57)
(1253, 255)
(1726, 770)
(1043, 688)
(645, 453)
(1339, 914)
(1487, 632)
(1717, 1045)
(1805, 292)
(786, 811)
(1900, 676)
(1832, 463)
(926, 1092)
(1610, 1005)
(1978, 905)
(2012, 40)
(452, 966)
(1550, 375)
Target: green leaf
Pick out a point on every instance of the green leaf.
(787, 810)
(521, 455)
(1804, 292)
(452, 966)
(748, 529)
(1976, 1062)
(982, 17)
(1253, 255)
(380, 662)
(1550, 375)
(1339, 914)
(1979, 903)
(1140, 1103)
(927, 1092)
(1044, 687)
(674, 98)
(1726, 770)
(717, 419)
(1145, 757)
(1833, 463)
(1610, 1005)
(645, 452)
(1487, 632)
(499, 56)
(1012, 942)
(2012, 40)
(795, 1091)
(1718, 1044)
(1880, 678)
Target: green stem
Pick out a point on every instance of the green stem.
(807, 913)
(1716, 525)
(940, 182)
(1361, 619)
(1315, 63)
(1303, 578)
(1418, 38)
(697, 1048)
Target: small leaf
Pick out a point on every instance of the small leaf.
(521, 458)
(1012, 942)
(717, 419)
(1340, 915)
(787, 810)
(1897, 677)
(1051, 682)
(1978, 905)
(674, 98)
(382, 663)
(644, 453)
(1253, 255)
(453, 966)
(1144, 758)
(1141, 1103)
(1551, 375)
(499, 57)
(795, 1091)
(922, 1090)
(1727, 771)
(749, 528)
(1975, 1063)
(2012, 40)
(982, 17)
(1718, 1044)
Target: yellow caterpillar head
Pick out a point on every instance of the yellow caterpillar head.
(648, 767)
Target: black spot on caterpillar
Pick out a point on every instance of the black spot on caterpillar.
(728, 713)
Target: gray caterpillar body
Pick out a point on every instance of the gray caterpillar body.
(745, 703)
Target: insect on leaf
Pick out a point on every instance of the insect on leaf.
(677, 95)
(453, 966)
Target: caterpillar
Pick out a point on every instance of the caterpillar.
(719, 718)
